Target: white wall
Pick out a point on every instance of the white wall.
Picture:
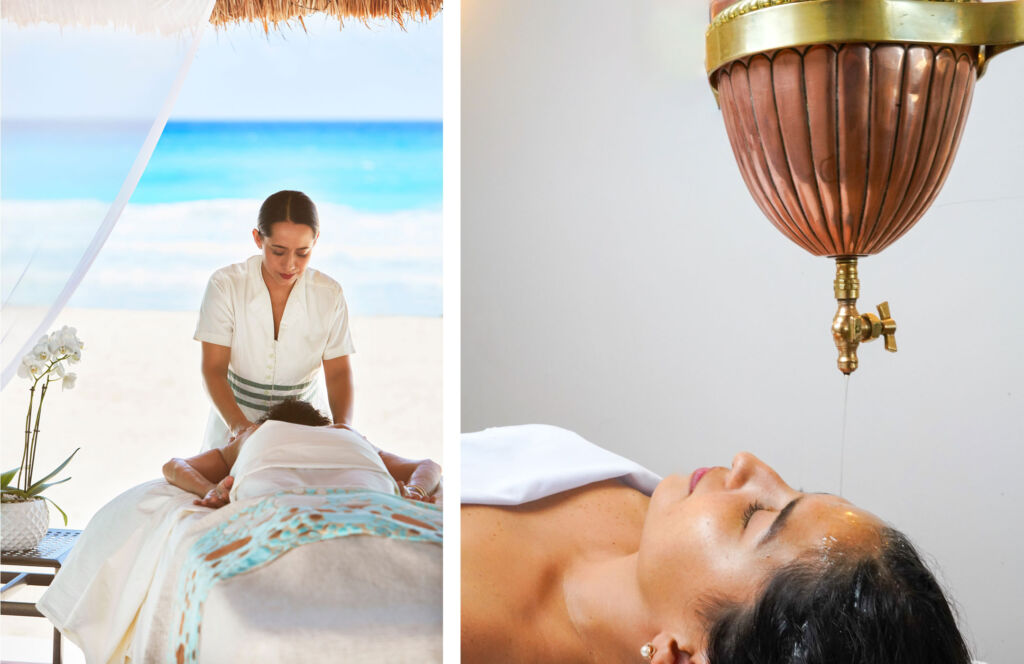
(617, 279)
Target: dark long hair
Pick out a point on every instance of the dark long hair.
(885, 607)
(293, 206)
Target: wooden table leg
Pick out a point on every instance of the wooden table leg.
(56, 646)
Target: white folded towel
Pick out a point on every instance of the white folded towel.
(518, 464)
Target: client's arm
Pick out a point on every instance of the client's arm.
(206, 475)
(417, 479)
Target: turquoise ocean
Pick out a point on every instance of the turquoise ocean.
(377, 186)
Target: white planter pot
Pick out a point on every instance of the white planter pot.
(22, 525)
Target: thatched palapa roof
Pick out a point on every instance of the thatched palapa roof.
(273, 12)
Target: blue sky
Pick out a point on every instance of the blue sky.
(358, 72)
(378, 72)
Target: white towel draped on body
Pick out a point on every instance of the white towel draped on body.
(280, 456)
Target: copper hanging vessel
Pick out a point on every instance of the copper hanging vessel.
(844, 117)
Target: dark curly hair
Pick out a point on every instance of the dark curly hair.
(883, 607)
(295, 412)
(293, 206)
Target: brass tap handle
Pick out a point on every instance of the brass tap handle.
(888, 327)
(851, 328)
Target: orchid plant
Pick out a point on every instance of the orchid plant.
(43, 365)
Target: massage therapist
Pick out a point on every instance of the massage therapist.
(267, 326)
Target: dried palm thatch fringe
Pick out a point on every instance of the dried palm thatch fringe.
(271, 13)
(165, 17)
(171, 16)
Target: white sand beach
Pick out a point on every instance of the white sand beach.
(139, 400)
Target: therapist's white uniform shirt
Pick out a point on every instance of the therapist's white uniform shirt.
(263, 371)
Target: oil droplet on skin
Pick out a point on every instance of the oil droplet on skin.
(828, 542)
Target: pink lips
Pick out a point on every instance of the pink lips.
(286, 277)
(695, 477)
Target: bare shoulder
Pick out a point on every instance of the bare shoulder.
(610, 497)
(588, 516)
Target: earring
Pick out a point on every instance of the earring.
(647, 652)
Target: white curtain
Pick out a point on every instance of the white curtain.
(87, 88)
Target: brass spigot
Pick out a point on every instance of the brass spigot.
(849, 328)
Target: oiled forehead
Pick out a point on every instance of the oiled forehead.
(834, 526)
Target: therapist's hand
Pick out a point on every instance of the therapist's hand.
(219, 495)
(240, 429)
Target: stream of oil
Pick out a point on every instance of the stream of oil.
(842, 438)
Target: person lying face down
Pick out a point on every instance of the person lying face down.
(208, 475)
(723, 566)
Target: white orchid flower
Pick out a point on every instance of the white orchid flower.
(36, 368)
(41, 352)
(63, 343)
(46, 358)
(31, 366)
(26, 363)
(48, 354)
(70, 340)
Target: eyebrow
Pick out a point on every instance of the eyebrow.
(779, 522)
(281, 246)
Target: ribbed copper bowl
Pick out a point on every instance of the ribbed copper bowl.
(845, 146)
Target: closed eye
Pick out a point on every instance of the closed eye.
(750, 511)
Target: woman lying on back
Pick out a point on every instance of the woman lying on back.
(720, 566)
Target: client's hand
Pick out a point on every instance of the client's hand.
(218, 496)
(413, 492)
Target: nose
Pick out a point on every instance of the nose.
(747, 468)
